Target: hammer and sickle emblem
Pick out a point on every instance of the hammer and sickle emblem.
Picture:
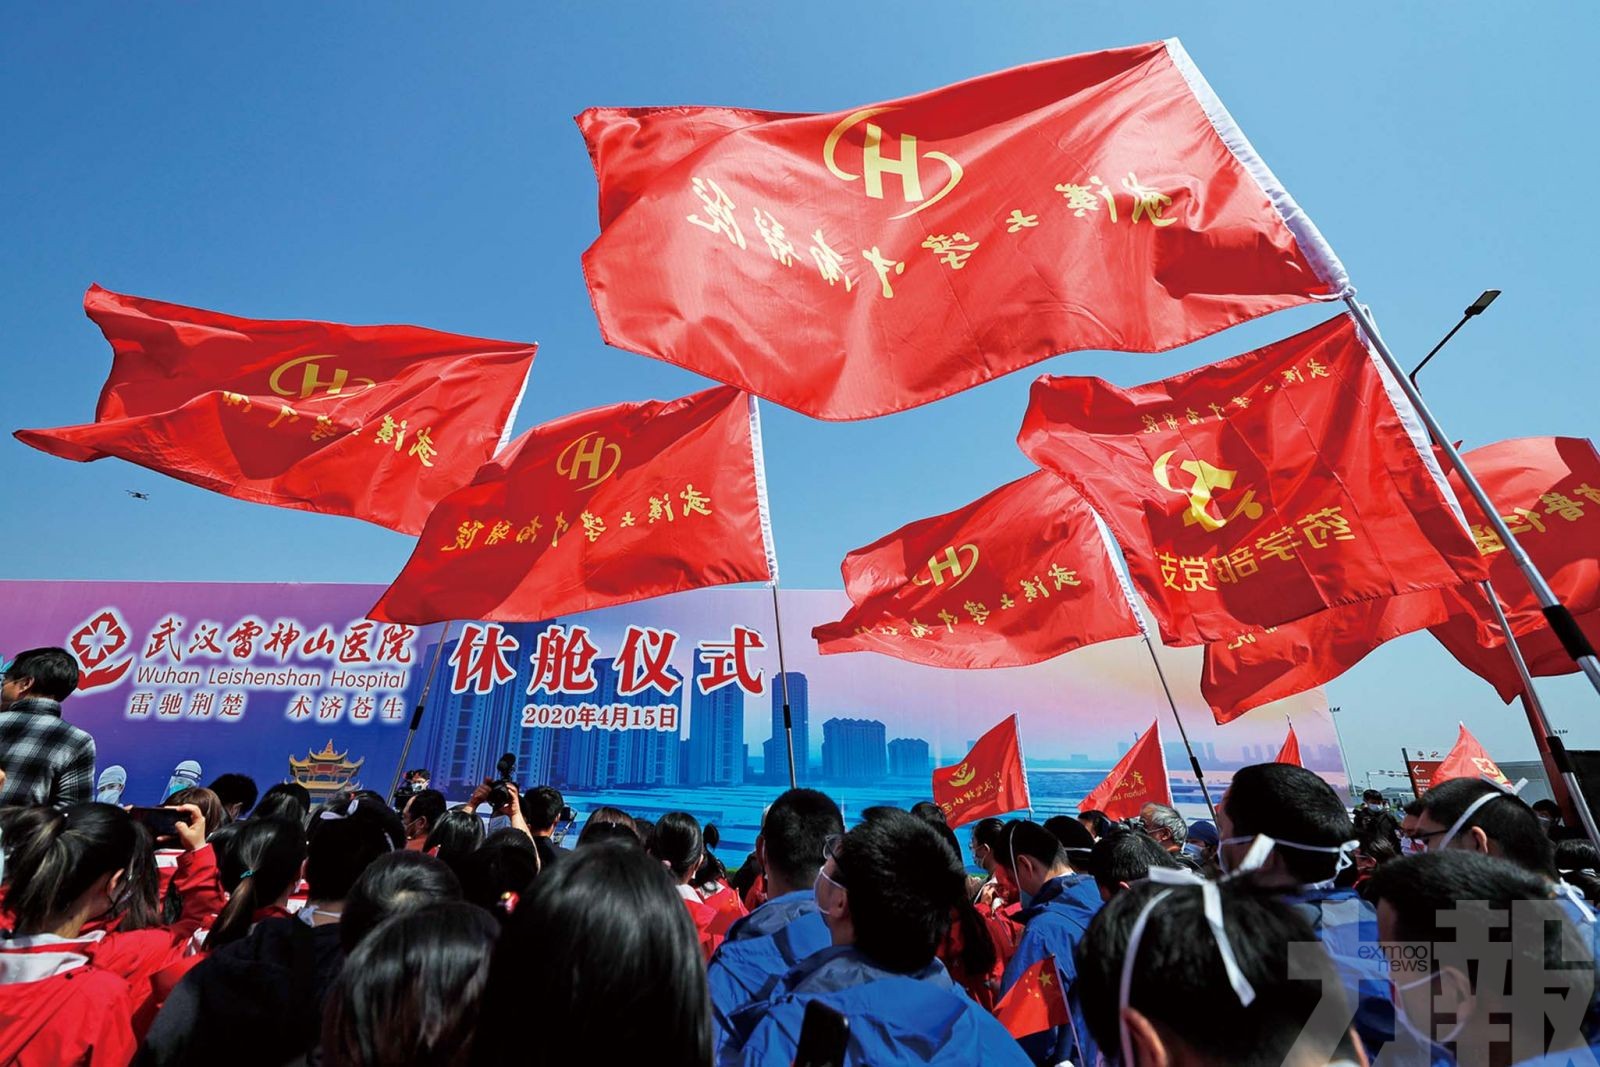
(311, 378)
(952, 565)
(587, 458)
(963, 776)
(907, 167)
(1207, 480)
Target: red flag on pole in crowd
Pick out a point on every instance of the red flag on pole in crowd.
(1548, 490)
(1261, 666)
(1018, 576)
(374, 422)
(991, 780)
(853, 264)
(1139, 778)
(1037, 1001)
(1290, 752)
(1261, 489)
(1468, 760)
(601, 507)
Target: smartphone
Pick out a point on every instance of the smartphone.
(161, 822)
(824, 1037)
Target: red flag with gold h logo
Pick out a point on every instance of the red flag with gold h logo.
(374, 422)
(991, 780)
(853, 264)
(601, 507)
(1261, 489)
(1018, 576)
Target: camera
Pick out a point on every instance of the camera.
(499, 795)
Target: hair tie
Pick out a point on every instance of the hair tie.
(249, 873)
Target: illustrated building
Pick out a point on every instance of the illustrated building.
(908, 757)
(854, 750)
(715, 750)
(776, 748)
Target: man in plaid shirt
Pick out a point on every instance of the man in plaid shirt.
(46, 760)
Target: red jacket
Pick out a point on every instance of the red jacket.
(53, 1018)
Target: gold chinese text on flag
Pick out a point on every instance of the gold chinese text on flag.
(1260, 489)
(1096, 201)
(602, 507)
(1018, 576)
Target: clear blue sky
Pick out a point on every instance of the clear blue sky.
(417, 163)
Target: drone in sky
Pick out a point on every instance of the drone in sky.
(136, 494)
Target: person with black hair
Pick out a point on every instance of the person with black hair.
(1578, 863)
(64, 988)
(285, 800)
(1507, 979)
(1125, 856)
(498, 874)
(765, 945)
(394, 884)
(601, 943)
(260, 867)
(1184, 1004)
(264, 993)
(421, 813)
(1378, 843)
(609, 824)
(1078, 844)
(541, 810)
(1474, 815)
(1290, 830)
(997, 896)
(409, 993)
(885, 890)
(236, 792)
(43, 758)
(677, 842)
(454, 835)
(1554, 822)
(1097, 822)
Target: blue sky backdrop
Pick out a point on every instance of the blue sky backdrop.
(370, 163)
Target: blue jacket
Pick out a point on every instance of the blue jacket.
(1347, 926)
(749, 970)
(774, 915)
(1053, 924)
(895, 1019)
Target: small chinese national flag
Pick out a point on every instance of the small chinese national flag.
(374, 422)
(857, 263)
(1139, 778)
(990, 781)
(1548, 490)
(1290, 752)
(1019, 576)
(602, 507)
(1468, 760)
(1037, 1002)
(1259, 667)
(1261, 489)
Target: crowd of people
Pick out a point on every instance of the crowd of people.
(266, 929)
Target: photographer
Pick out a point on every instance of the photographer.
(543, 809)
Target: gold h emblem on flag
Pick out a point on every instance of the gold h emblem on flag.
(952, 565)
(907, 166)
(311, 378)
(587, 457)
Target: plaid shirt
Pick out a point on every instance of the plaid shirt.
(47, 760)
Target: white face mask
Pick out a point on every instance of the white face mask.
(1374, 807)
(1261, 847)
(1404, 1017)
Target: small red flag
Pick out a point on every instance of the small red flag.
(1102, 201)
(1259, 667)
(990, 781)
(1468, 760)
(1261, 489)
(1548, 491)
(601, 507)
(374, 422)
(1139, 778)
(1018, 576)
(1037, 1001)
(1290, 752)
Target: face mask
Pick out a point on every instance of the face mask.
(1472, 809)
(1374, 807)
(1195, 852)
(1261, 847)
(1403, 1017)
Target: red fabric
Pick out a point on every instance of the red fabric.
(79, 1018)
(729, 908)
(1290, 752)
(705, 919)
(1258, 490)
(1018, 576)
(745, 245)
(756, 895)
(195, 394)
(1139, 778)
(1265, 665)
(531, 552)
(1036, 1002)
(1548, 489)
(1468, 760)
(980, 987)
(989, 781)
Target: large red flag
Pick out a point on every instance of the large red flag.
(1018, 576)
(1468, 760)
(1139, 778)
(852, 264)
(601, 507)
(990, 781)
(1548, 490)
(1261, 489)
(1256, 668)
(374, 422)
(1290, 752)
(1036, 1002)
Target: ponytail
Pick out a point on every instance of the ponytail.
(977, 948)
(55, 856)
(261, 863)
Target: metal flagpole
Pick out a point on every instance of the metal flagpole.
(783, 681)
(1173, 704)
(1563, 780)
(1555, 613)
(416, 713)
